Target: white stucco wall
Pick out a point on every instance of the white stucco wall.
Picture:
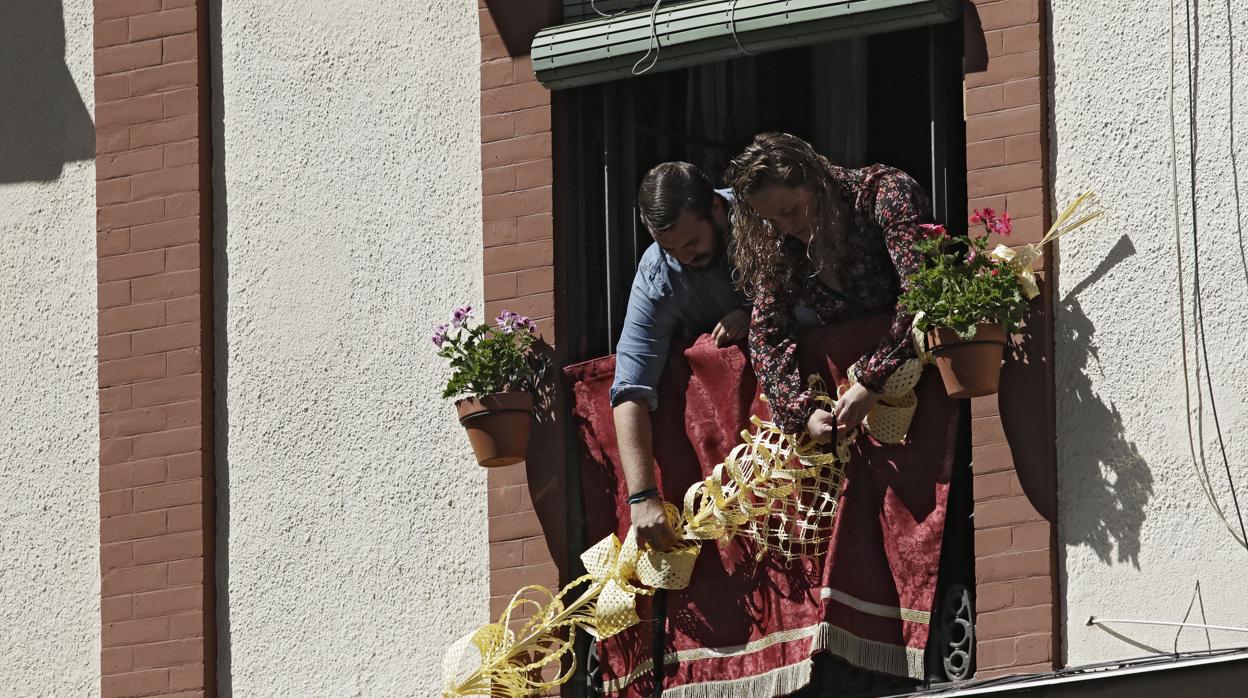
(49, 434)
(1138, 532)
(352, 526)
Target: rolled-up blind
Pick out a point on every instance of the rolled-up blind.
(693, 33)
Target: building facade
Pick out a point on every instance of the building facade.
(233, 471)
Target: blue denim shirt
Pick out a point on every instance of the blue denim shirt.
(668, 301)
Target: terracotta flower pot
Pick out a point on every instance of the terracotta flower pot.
(970, 368)
(498, 426)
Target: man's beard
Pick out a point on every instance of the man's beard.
(717, 249)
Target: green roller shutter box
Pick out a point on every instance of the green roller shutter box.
(695, 33)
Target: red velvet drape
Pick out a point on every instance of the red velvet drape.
(757, 623)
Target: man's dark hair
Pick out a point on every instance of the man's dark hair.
(668, 190)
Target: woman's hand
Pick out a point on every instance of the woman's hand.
(852, 408)
(821, 426)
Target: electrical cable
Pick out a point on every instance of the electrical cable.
(1196, 596)
(1239, 216)
(593, 5)
(656, 46)
(1201, 600)
(1151, 660)
(732, 26)
(1197, 462)
(1178, 242)
(1169, 623)
(654, 42)
(1193, 76)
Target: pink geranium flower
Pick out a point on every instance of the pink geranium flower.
(933, 230)
(982, 215)
(1004, 226)
(1001, 225)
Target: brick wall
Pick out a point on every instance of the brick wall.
(1006, 136)
(516, 170)
(154, 252)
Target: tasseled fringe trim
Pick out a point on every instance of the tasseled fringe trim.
(880, 657)
(874, 656)
(777, 682)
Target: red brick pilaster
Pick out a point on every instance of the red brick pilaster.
(155, 312)
(1006, 136)
(516, 173)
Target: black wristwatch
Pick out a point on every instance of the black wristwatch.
(639, 497)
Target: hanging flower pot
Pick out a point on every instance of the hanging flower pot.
(965, 299)
(498, 426)
(495, 372)
(969, 367)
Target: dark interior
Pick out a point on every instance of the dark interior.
(890, 98)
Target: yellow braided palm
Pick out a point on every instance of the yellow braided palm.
(776, 490)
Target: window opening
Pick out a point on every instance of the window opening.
(892, 98)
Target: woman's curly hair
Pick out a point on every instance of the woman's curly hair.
(766, 257)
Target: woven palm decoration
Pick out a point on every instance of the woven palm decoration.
(779, 491)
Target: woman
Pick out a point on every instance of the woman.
(831, 240)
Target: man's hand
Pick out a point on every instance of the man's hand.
(650, 520)
(732, 328)
(853, 407)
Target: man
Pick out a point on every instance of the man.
(683, 288)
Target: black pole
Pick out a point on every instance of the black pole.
(660, 639)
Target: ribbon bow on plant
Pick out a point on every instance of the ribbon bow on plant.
(1022, 259)
(961, 285)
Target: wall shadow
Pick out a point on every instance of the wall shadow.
(44, 122)
(1025, 391)
(221, 357)
(546, 467)
(974, 45)
(518, 21)
(1115, 483)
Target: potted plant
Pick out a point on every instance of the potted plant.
(495, 373)
(967, 300)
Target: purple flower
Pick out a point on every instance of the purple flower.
(970, 256)
(461, 315)
(506, 321)
(509, 321)
(439, 335)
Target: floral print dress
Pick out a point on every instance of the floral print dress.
(883, 208)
